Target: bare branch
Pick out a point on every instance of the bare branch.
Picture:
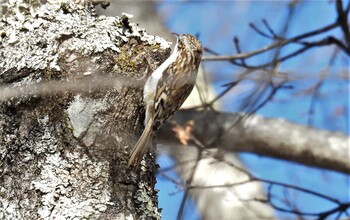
(343, 21)
(272, 46)
(257, 30)
(272, 32)
(266, 136)
(45, 88)
(238, 48)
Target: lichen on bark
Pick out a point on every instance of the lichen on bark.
(63, 152)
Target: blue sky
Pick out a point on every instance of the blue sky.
(216, 22)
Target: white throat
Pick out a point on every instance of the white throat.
(152, 81)
(150, 88)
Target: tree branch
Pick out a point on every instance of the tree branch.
(270, 137)
(343, 21)
(271, 46)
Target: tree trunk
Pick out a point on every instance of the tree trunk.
(67, 129)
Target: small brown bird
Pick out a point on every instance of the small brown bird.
(167, 88)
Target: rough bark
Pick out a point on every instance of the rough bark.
(63, 153)
(270, 137)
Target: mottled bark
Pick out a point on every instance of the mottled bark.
(63, 153)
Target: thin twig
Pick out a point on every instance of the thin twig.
(271, 46)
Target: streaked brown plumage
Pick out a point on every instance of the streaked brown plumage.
(167, 88)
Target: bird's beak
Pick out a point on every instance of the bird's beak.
(177, 35)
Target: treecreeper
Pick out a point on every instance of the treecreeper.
(166, 89)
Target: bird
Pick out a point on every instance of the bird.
(166, 89)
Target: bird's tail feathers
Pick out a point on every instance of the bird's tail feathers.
(141, 146)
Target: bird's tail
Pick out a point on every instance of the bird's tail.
(141, 146)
